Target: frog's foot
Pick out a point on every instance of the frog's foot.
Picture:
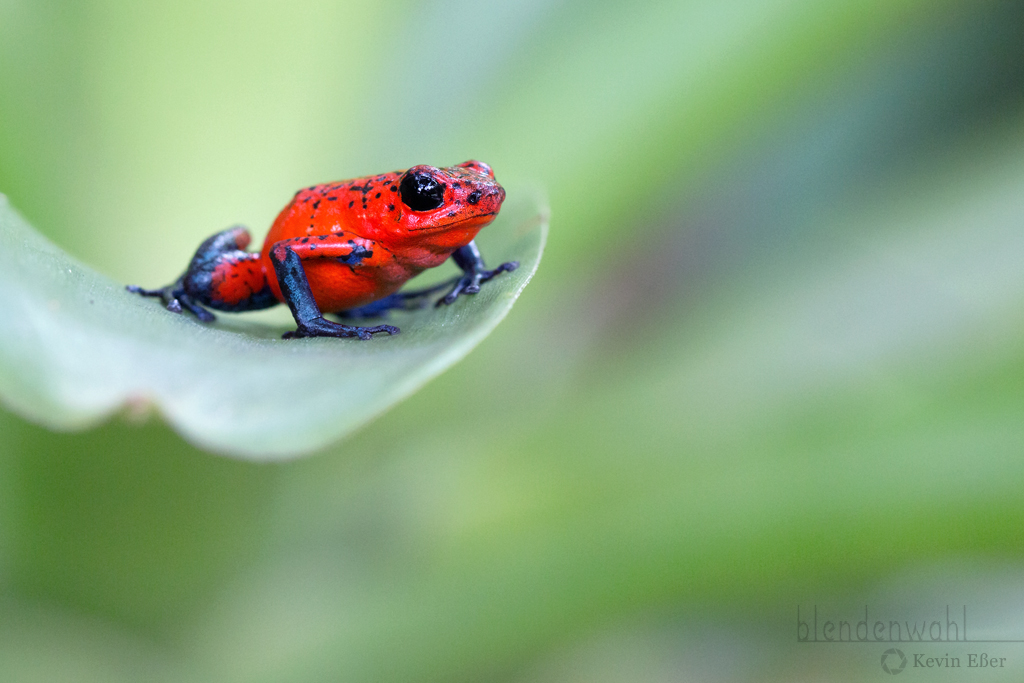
(321, 327)
(175, 299)
(470, 282)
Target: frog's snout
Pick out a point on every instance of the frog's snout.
(493, 197)
(495, 194)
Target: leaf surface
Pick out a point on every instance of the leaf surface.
(76, 347)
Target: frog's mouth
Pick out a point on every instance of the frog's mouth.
(483, 218)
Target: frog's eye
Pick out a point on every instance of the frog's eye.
(421, 192)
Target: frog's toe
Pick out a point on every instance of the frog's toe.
(471, 281)
(321, 327)
(175, 300)
(195, 309)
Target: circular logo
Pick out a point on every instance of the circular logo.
(893, 661)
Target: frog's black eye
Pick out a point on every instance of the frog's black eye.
(421, 192)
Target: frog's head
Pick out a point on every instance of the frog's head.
(448, 202)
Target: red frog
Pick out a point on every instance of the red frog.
(346, 248)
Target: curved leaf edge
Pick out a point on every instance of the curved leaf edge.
(47, 410)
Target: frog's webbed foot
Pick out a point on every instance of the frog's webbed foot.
(321, 327)
(470, 282)
(175, 299)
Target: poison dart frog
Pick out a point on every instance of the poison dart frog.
(345, 248)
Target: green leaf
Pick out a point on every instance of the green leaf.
(76, 347)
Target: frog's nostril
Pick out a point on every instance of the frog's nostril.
(473, 197)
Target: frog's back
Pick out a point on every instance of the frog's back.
(352, 206)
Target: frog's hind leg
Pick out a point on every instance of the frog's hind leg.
(402, 301)
(221, 275)
(475, 273)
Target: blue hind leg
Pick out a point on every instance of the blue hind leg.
(203, 283)
(475, 273)
(402, 301)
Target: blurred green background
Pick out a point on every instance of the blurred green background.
(774, 355)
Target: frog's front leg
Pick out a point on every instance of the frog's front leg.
(287, 257)
(475, 273)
